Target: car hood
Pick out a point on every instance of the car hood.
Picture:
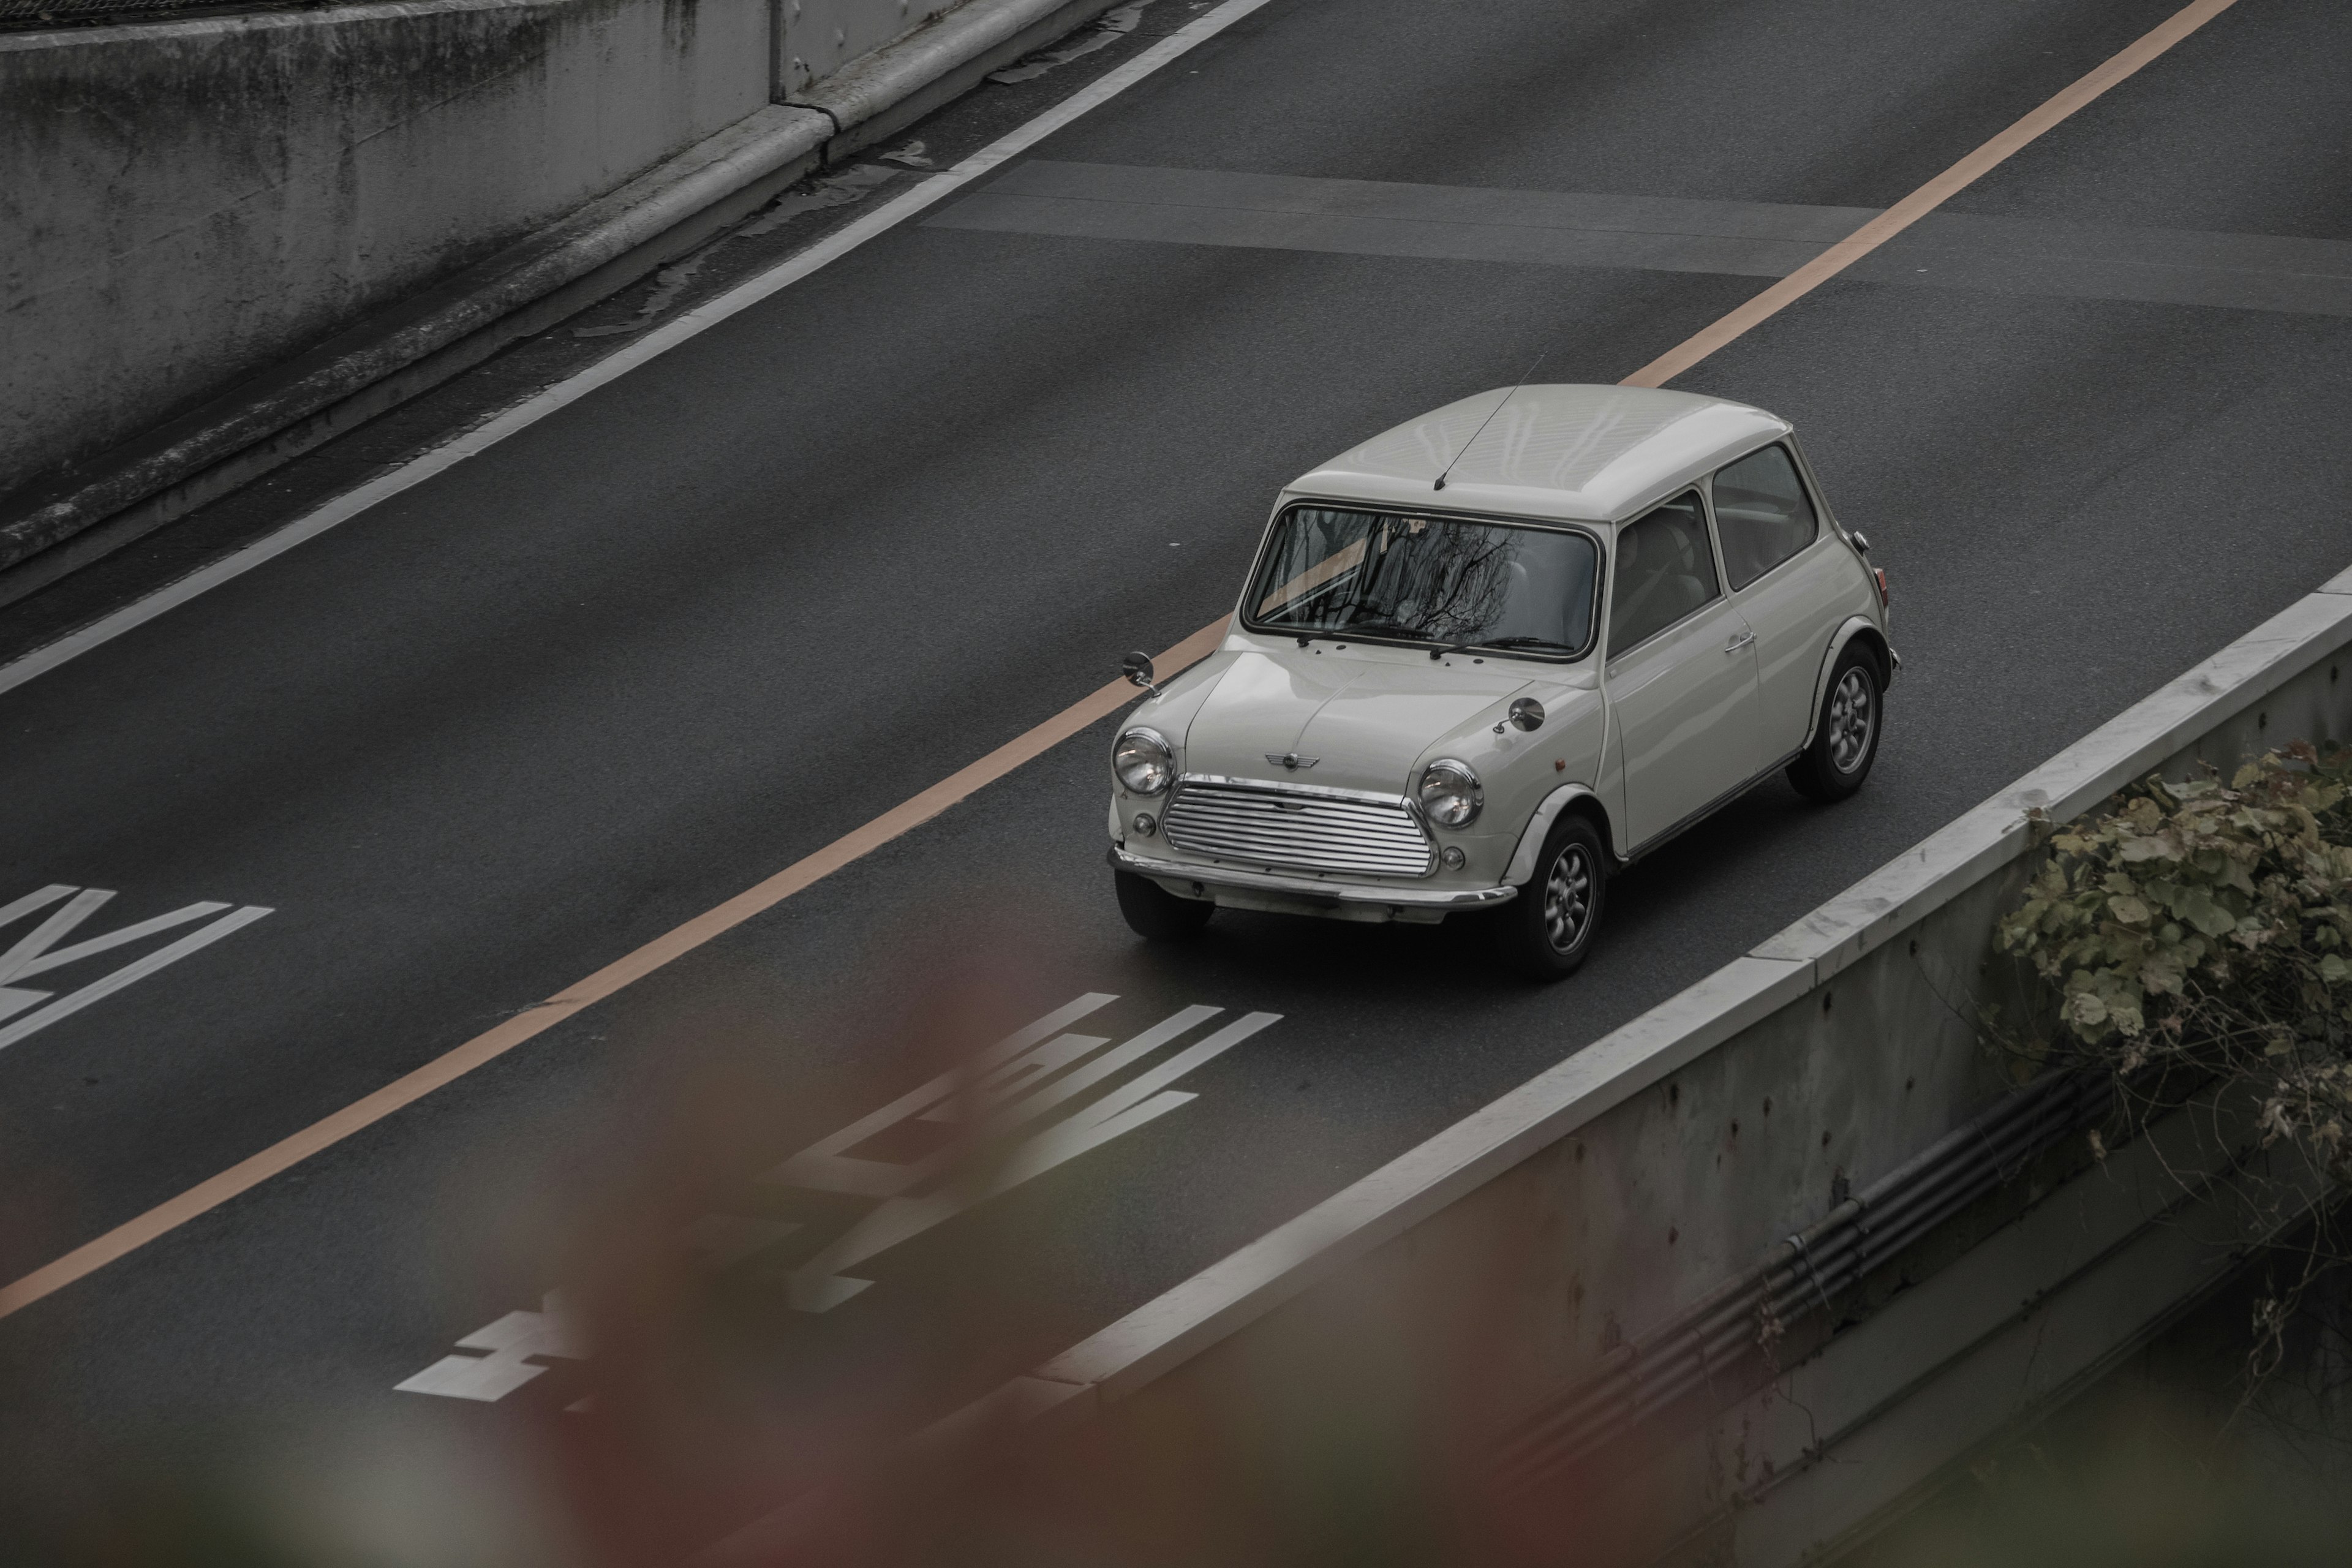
(1352, 723)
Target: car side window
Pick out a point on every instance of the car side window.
(1762, 513)
(1664, 570)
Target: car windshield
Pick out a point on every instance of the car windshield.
(1329, 571)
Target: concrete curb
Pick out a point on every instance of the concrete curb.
(880, 94)
(1293, 1257)
(120, 496)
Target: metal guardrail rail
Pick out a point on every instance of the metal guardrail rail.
(1724, 1346)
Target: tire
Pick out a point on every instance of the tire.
(1155, 914)
(1845, 734)
(1544, 932)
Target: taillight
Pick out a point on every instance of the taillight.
(1878, 574)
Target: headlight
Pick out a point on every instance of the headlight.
(1143, 761)
(1449, 795)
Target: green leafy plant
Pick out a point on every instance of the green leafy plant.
(2208, 927)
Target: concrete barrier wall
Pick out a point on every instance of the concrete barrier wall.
(188, 202)
(820, 36)
(1612, 1193)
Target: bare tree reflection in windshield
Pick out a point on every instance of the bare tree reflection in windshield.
(1444, 581)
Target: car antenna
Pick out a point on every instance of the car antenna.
(1526, 377)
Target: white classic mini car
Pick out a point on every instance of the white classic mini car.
(1491, 656)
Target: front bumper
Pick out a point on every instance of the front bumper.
(1315, 889)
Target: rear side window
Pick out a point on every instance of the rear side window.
(1761, 508)
(1663, 571)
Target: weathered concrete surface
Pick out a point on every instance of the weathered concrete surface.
(820, 36)
(190, 202)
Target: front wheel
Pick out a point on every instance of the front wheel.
(1845, 737)
(1547, 930)
(1155, 914)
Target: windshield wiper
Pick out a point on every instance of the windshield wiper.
(1390, 629)
(1525, 642)
(1437, 649)
(1337, 634)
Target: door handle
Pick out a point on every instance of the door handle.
(1741, 641)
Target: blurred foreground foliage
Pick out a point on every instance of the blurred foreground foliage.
(716, 1426)
(2144, 1486)
(2207, 927)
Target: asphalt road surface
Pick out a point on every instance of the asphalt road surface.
(510, 725)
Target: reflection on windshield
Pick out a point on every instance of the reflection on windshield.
(1426, 579)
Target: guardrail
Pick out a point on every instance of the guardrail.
(1620, 1190)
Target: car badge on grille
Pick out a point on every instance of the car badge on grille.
(1291, 760)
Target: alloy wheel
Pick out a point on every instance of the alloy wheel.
(1850, 721)
(1568, 899)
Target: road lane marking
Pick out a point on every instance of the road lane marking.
(2050, 258)
(1737, 324)
(824, 1166)
(1010, 1084)
(1006, 1113)
(819, 1285)
(37, 953)
(491, 1044)
(511, 1343)
(702, 318)
(206, 1195)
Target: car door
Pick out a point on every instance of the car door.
(1681, 672)
(1790, 580)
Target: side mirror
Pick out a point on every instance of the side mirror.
(1137, 667)
(1860, 542)
(1527, 713)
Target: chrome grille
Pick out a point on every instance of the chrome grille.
(1269, 825)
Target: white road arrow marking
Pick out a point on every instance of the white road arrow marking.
(823, 1166)
(819, 1286)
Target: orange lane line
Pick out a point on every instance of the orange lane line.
(1927, 197)
(448, 1067)
(444, 1069)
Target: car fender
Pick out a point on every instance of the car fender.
(1523, 858)
(1845, 633)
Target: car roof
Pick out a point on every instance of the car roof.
(1592, 454)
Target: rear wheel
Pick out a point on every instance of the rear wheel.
(1846, 736)
(1544, 932)
(1155, 914)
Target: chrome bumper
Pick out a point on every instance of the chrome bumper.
(1315, 888)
